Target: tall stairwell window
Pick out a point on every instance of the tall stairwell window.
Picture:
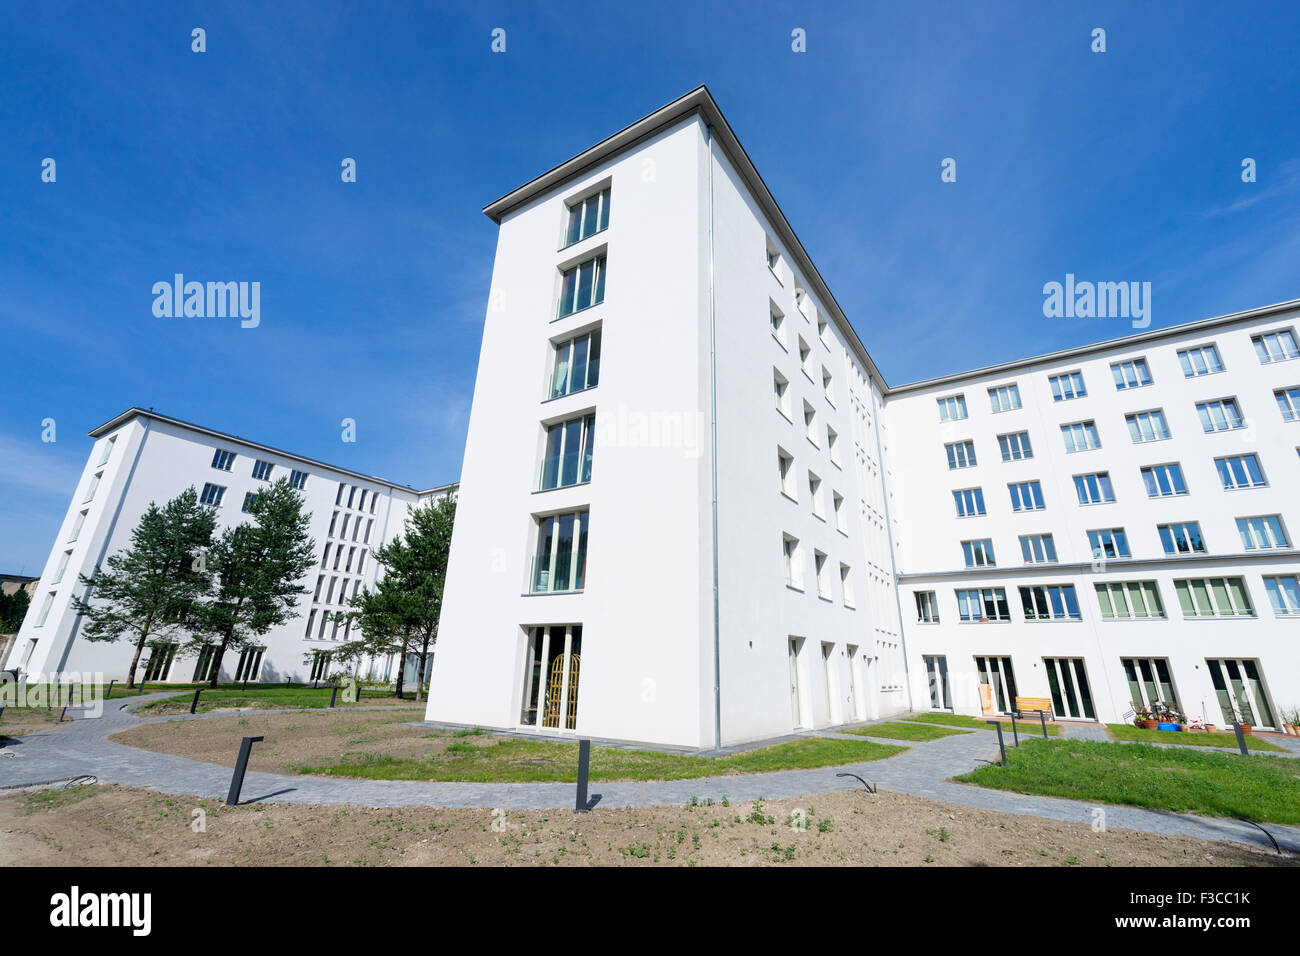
(582, 286)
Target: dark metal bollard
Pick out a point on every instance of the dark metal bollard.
(1014, 731)
(245, 687)
(584, 765)
(237, 781)
(1241, 739)
(194, 704)
(142, 683)
(1042, 718)
(109, 693)
(62, 713)
(334, 693)
(997, 725)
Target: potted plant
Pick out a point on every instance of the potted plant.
(1144, 717)
(1166, 717)
(1291, 721)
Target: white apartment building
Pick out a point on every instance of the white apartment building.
(141, 457)
(693, 513)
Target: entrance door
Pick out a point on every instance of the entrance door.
(552, 664)
(1071, 696)
(1150, 682)
(795, 707)
(855, 708)
(936, 667)
(1239, 686)
(996, 674)
(832, 683)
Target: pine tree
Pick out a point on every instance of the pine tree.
(13, 608)
(152, 587)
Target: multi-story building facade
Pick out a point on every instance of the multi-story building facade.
(141, 457)
(693, 513)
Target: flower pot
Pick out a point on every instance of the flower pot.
(1211, 729)
(1290, 729)
(1150, 724)
(1247, 728)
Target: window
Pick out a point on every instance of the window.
(781, 390)
(1147, 426)
(823, 584)
(793, 562)
(561, 560)
(352, 495)
(785, 468)
(250, 663)
(805, 353)
(249, 500)
(577, 364)
(1134, 374)
(343, 528)
(222, 460)
(1213, 597)
(1026, 496)
(1094, 489)
(567, 458)
(91, 488)
(1129, 600)
(810, 422)
(828, 387)
(262, 470)
(1015, 447)
(970, 502)
(1149, 681)
(1109, 543)
(1200, 361)
(587, 217)
(1283, 594)
(81, 520)
(1288, 403)
(927, 607)
(983, 604)
(1276, 346)
(778, 322)
(582, 286)
(361, 503)
(978, 553)
(64, 558)
(832, 445)
(1080, 436)
(1240, 471)
(1038, 549)
(333, 520)
(298, 479)
(1182, 538)
(815, 493)
(841, 521)
(1163, 481)
(1067, 386)
(325, 556)
(801, 300)
(846, 585)
(1219, 416)
(338, 498)
(107, 453)
(773, 258)
(311, 619)
(370, 523)
(1052, 602)
(212, 495)
(961, 454)
(952, 408)
(1004, 398)
(1262, 533)
(361, 561)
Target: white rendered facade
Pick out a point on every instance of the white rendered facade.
(141, 457)
(704, 492)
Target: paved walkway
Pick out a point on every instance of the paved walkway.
(83, 749)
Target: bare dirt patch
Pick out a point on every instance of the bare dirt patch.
(21, 721)
(113, 825)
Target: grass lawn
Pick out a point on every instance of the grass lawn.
(1229, 741)
(232, 696)
(1031, 728)
(895, 730)
(1260, 788)
(515, 760)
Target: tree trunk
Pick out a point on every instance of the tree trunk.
(216, 661)
(424, 657)
(139, 647)
(401, 667)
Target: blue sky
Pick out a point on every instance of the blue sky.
(225, 165)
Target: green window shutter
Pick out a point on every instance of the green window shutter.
(1103, 599)
(1240, 600)
(1185, 597)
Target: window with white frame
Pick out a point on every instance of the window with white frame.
(983, 605)
(566, 459)
(1288, 403)
(262, 470)
(961, 454)
(793, 560)
(805, 357)
(92, 487)
(1094, 489)
(970, 502)
(1164, 481)
(45, 610)
(846, 585)
(785, 469)
(1181, 537)
(1080, 436)
(828, 386)
(587, 217)
(781, 390)
(823, 579)
(64, 558)
(777, 319)
(1108, 543)
(841, 519)
(927, 607)
(1240, 471)
(1026, 495)
(810, 422)
(1203, 360)
(250, 499)
(81, 521)
(832, 445)
(1037, 549)
(560, 561)
(773, 258)
(1283, 592)
(1129, 600)
(1147, 426)
(1131, 374)
(824, 330)
(1262, 533)
(1278, 346)
(1066, 386)
(1213, 597)
(576, 364)
(107, 452)
(212, 494)
(1049, 602)
(815, 493)
(1220, 415)
(978, 553)
(298, 479)
(582, 286)
(1004, 398)
(1015, 447)
(222, 459)
(952, 408)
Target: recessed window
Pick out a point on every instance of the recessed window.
(1026, 496)
(793, 562)
(1067, 386)
(1276, 346)
(568, 452)
(781, 390)
(1182, 537)
(961, 454)
(45, 610)
(92, 487)
(1015, 447)
(1200, 361)
(773, 258)
(1288, 403)
(846, 585)
(1240, 471)
(1132, 374)
(1147, 426)
(805, 351)
(823, 580)
(222, 459)
(828, 388)
(1108, 543)
(1129, 600)
(1080, 436)
(1164, 481)
(810, 422)
(64, 558)
(298, 479)
(587, 217)
(77, 526)
(815, 494)
(927, 607)
(824, 331)
(582, 286)
(560, 561)
(785, 467)
(262, 470)
(1262, 533)
(1094, 489)
(250, 499)
(970, 502)
(212, 495)
(1051, 602)
(841, 521)
(952, 408)
(1004, 398)
(1214, 597)
(983, 605)
(107, 452)
(1037, 549)
(1283, 594)
(978, 553)
(833, 445)
(777, 319)
(576, 364)
(1220, 415)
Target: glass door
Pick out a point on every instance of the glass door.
(1071, 695)
(1239, 686)
(996, 674)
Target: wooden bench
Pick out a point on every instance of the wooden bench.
(1029, 705)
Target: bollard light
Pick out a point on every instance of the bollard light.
(237, 781)
(584, 765)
